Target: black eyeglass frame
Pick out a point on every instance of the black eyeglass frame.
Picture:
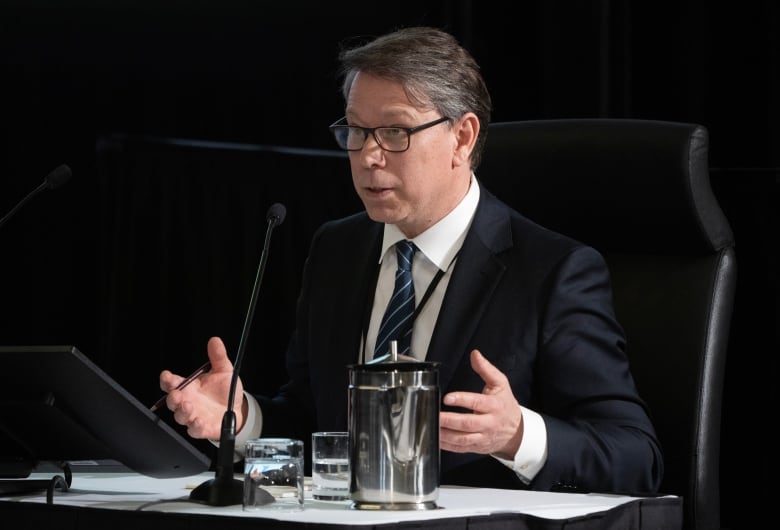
(372, 131)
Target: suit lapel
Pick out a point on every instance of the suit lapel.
(474, 278)
(352, 309)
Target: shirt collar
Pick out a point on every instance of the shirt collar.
(441, 242)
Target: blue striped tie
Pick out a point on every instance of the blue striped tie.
(401, 306)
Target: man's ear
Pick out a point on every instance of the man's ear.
(466, 130)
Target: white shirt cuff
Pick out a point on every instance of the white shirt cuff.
(532, 453)
(253, 426)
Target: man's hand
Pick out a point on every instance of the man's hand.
(201, 405)
(495, 425)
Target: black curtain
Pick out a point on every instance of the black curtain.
(183, 227)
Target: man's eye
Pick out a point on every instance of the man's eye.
(392, 132)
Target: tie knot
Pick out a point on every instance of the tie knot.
(405, 252)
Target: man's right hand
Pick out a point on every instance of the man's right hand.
(201, 405)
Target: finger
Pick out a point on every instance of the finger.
(455, 442)
(462, 423)
(174, 400)
(465, 441)
(218, 356)
(195, 429)
(182, 411)
(492, 376)
(469, 400)
(169, 380)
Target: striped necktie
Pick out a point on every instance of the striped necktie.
(396, 324)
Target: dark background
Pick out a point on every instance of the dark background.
(152, 247)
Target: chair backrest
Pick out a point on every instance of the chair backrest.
(639, 192)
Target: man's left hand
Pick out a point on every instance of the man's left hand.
(494, 425)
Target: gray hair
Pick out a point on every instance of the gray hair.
(434, 70)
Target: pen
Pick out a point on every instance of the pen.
(192, 377)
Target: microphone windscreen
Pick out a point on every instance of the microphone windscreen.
(58, 177)
(276, 211)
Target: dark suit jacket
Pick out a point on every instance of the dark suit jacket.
(537, 304)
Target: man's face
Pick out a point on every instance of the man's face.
(412, 189)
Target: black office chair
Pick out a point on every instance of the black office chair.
(639, 192)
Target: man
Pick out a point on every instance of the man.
(537, 389)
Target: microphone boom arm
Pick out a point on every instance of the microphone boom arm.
(56, 178)
(272, 223)
(224, 489)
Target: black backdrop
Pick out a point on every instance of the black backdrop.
(152, 247)
(183, 229)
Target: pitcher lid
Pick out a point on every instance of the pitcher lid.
(401, 366)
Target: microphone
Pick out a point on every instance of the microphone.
(223, 489)
(53, 180)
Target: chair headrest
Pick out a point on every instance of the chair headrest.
(616, 184)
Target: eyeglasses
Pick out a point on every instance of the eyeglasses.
(393, 139)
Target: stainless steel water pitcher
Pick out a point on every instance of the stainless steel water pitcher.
(394, 435)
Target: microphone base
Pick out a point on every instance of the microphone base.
(219, 492)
